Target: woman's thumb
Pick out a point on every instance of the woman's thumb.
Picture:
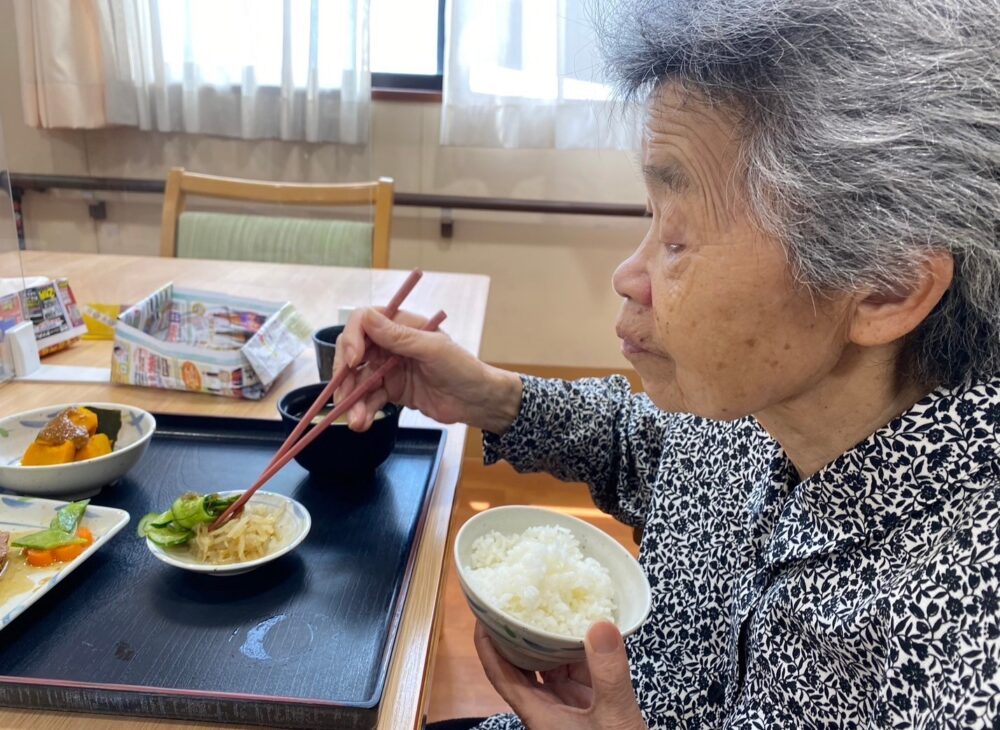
(614, 699)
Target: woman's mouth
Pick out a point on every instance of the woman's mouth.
(631, 347)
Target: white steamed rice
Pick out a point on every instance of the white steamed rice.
(542, 578)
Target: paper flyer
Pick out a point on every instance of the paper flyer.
(52, 309)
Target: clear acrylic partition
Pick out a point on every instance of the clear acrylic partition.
(11, 273)
(258, 113)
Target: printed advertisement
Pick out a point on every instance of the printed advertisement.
(52, 310)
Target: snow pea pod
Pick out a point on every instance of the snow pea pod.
(48, 539)
(68, 518)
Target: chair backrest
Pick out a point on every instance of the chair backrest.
(181, 183)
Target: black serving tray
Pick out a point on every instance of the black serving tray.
(301, 642)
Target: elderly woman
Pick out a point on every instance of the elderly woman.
(815, 316)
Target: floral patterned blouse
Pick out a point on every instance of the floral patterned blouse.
(865, 596)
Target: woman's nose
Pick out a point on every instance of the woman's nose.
(631, 278)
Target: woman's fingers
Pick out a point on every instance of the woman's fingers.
(351, 349)
(434, 375)
(345, 387)
(561, 683)
(400, 337)
(579, 672)
(361, 414)
(371, 405)
(370, 337)
(357, 416)
(539, 706)
(512, 683)
(614, 698)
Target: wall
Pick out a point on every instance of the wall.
(551, 301)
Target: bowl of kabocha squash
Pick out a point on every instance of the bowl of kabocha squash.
(71, 450)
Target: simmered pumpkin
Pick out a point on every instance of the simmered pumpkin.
(98, 445)
(84, 417)
(71, 435)
(42, 454)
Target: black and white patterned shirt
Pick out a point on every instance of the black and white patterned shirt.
(865, 596)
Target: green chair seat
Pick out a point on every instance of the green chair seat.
(241, 237)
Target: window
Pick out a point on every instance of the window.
(314, 31)
(407, 44)
(527, 73)
(295, 70)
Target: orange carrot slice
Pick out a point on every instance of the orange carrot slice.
(39, 558)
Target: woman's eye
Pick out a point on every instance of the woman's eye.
(675, 248)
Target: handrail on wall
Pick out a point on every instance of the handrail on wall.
(22, 182)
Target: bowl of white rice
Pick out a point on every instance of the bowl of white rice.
(538, 579)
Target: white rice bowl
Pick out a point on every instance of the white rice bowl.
(541, 577)
(516, 583)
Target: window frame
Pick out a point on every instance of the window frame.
(414, 86)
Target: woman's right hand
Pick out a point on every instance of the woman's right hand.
(435, 375)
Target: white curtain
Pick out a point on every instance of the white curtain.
(252, 69)
(274, 69)
(59, 54)
(526, 73)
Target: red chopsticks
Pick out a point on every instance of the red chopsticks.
(355, 395)
(391, 309)
(293, 445)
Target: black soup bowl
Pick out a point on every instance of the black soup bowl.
(339, 454)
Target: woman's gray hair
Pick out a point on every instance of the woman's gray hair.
(871, 136)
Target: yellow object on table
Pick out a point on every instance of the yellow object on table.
(100, 320)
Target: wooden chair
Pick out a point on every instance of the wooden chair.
(181, 184)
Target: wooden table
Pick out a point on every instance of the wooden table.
(317, 292)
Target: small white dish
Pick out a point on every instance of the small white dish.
(528, 647)
(78, 479)
(294, 527)
(29, 514)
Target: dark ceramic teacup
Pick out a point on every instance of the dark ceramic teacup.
(340, 453)
(325, 342)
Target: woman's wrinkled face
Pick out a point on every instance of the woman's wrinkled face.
(712, 320)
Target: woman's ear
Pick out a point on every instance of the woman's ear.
(882, 318)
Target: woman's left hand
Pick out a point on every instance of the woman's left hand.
(592, 695)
